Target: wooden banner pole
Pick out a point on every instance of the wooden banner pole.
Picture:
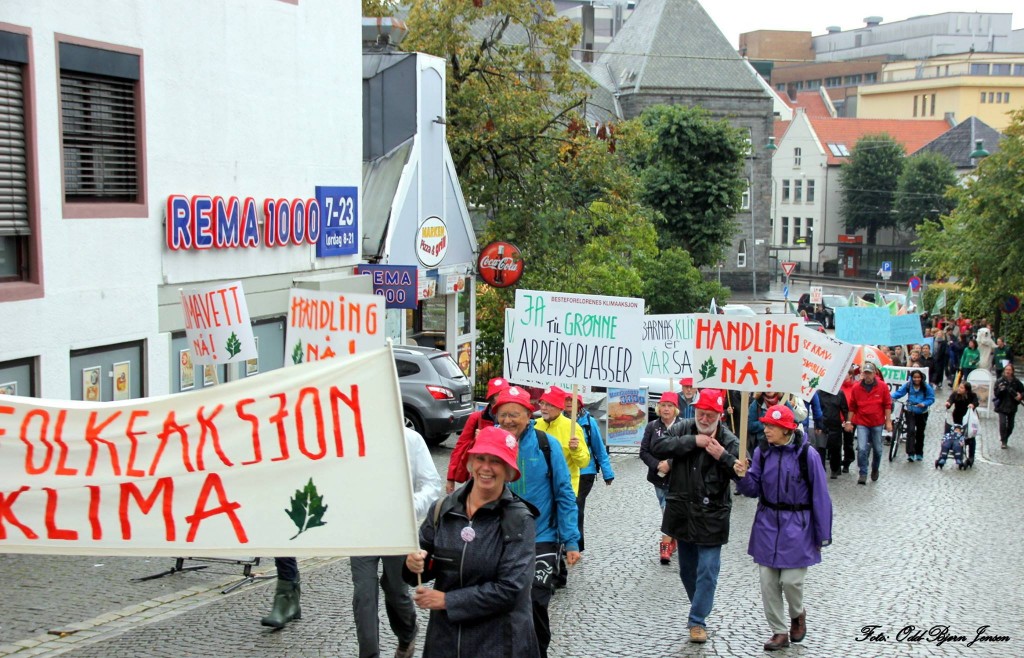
(744, 416)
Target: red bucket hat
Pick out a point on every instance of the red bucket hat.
(711, 399)
(780, 415)
(686, 381)
(496, 441)
(516, 395)
(554, 396)
(495, 386)
(671, 398)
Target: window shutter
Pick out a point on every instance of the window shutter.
(13, 174)
(99, 132)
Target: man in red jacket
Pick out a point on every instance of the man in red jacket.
(870, 410)
(477, 421)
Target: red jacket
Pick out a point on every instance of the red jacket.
(477, 421)
(868, 407)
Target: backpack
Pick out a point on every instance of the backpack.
(801, 458)
(590, 445)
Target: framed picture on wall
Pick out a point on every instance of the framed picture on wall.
(252, 366)
(186, 371)
(122, 380)
(91, 383)
(9, 388)
(209, 375)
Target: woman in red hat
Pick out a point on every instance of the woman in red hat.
(658, 469)
(793, 520)
(457, 472)
(477, 546)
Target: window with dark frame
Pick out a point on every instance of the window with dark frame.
(99, 109)
(15, 218)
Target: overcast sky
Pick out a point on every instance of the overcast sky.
(736, 16)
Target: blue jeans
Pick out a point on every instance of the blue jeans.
(874, 435)
(698, 569)
(661, 496)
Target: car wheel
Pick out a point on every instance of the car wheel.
(412, 421)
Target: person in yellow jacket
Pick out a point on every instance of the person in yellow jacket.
(557, 426)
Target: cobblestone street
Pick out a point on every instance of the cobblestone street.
(920, 547)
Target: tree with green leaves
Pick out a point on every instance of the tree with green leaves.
(980, 244)
(869, 182)
(691, 172)
(921, 189)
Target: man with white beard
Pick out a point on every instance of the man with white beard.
(704, 453)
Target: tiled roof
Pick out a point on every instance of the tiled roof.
(811, 102)
(779, 129)
(912, 134)
(957, 143)
(671, 44)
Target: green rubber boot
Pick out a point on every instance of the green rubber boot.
(286, 604)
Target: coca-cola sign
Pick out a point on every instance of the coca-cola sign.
(500, 264)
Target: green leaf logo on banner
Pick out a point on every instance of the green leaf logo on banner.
(307, 508)
(297, 353)
(707, 369)
(814, 382)
(233, 346)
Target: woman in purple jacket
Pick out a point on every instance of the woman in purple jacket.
(792, 524)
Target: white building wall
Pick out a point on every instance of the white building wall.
(812, 167)
(242, 98)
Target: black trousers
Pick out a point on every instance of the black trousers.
(586, 484)
(1006, 425)
(849, 448)
(541, 592)
(287, 568)
(916, 424)
(833, 448)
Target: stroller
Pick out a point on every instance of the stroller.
(953, 442)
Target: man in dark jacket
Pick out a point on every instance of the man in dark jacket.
(699, 501)
(834, 411)
(1009, 393)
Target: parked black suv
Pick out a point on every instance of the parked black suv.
(437, 397)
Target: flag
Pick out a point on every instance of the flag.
(894, 307)
(956, 307)
(940, 303)
(852, 301)
(714, 307)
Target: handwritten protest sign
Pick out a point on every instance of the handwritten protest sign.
(574, 339)
(904, 330)
(748, 354)
(667, 345)
(896, 376)
(322, 325)
(217, 324)
(826, 361)
(868, 325)
(298, 461)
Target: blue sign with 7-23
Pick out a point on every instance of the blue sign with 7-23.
(339, 212)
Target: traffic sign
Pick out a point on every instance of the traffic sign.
(914, 283)
(887, 266)
(1011, 304)
(788, 267)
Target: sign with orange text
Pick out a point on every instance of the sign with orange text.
(323, 325)
(298, 461)
(748, 354)
(825, 362)
(217, 324)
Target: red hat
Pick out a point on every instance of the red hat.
(495, 386)
(670, 397)
(496, 441)
(781, 415)
(568, 399)
(554, 396)
(711, 399)
(514, 394)
(686, 381)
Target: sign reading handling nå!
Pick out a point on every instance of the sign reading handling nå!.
(217, 324)
(574, 339)
(278, 464)
(748, 354)
(322, 325)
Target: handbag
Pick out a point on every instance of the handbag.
(972, 423)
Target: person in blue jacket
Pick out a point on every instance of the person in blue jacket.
(920, 397)
(545, 483)
(599, 462)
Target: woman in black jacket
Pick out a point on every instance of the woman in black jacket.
(1009, 393)
(962, 399)
(478, 548)
(658, 469)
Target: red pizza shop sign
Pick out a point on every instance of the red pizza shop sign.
(500, 264)
(204, 222)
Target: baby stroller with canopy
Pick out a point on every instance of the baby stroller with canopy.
(953, 442)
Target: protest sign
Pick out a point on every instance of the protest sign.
(862, 325)
(322, 325)
(286, 463)
(748, 354)
(574, 339)
(627, 416)
(217, 324)
(667, 346)
(904, 330)
(896, 376)
(816, 294)
(826, 361)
